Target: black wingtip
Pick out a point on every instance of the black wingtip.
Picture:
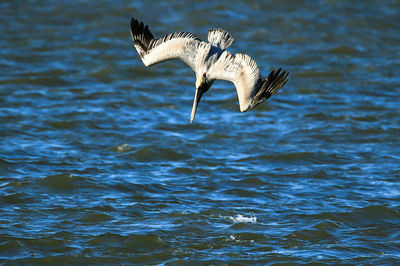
(134, 28)
(141, 34)
(133, 22)
(272, 84)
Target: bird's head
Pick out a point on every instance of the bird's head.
(202, 85)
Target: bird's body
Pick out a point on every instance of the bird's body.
(210, 61)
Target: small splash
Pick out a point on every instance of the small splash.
(237, 239)
(122, 148)
(243, 219)
(233, 238)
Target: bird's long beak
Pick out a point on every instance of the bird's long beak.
(197, 97)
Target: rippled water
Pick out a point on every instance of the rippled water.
(99, 164)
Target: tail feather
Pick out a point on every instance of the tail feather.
(220, 38)
(270, 86)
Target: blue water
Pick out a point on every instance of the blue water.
(99, 164)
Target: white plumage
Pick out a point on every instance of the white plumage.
(210, 61)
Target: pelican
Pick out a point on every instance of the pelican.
(210, 61)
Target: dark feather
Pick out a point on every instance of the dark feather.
(270, 86)
(142, 36)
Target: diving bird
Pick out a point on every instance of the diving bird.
(210, 61)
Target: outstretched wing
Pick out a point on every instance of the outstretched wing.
(179, 45)
(243, 71)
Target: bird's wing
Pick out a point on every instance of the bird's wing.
(220, 38)
(177, 45)
(243, 71)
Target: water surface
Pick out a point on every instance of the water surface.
(99, 164)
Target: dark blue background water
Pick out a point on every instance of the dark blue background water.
(99, 164)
